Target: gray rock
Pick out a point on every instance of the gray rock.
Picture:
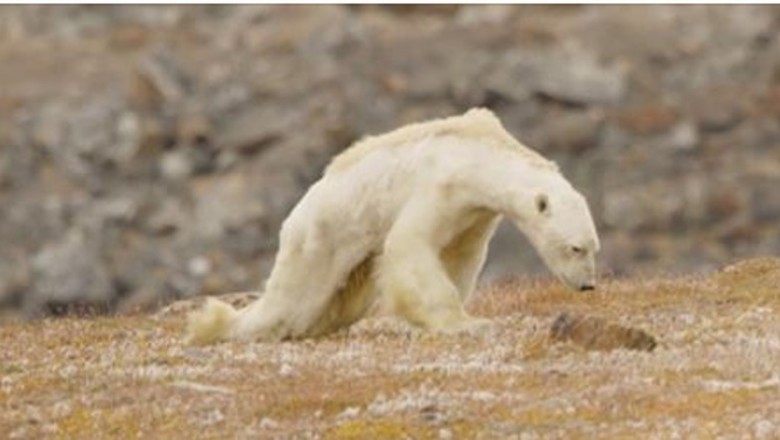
(177, 165)
(223, 203)
(116, 209)
(766, 203)
(163, 72)
(683, 137)
(15, 280)
(573, 133)
(70, 270)
(578, 79)
(484, 15)
(169, 217)
(718, 108)
(507, 84)
(128, 139)
(253, 130)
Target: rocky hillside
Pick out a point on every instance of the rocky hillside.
(151, 152)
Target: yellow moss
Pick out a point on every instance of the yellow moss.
(540, 417)
(76, 425)
(707, 404)
(374, 429)
(125, 422)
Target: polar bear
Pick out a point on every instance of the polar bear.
(408, 216)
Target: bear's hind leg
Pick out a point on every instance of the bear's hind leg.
(303, 283)
(413, 277)
(351, 302)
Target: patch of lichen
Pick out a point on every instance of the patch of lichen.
(88, 422)
(754, 282)
(37, 386)
(374, 429)
(394, 428)
(703, 404)
(296, 406)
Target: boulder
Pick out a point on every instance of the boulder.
(70, 270)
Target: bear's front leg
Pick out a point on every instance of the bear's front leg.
(412, 276)
(464, 256)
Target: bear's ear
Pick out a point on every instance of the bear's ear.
(542, 203)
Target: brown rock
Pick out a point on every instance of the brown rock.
(725, 202)
(594, 333)
(575, 132)
(128, 37)
(771, 101)
(161, 76)
(142, 93)
(766, 206)
(718, 108)
(253, 130)
(648, 119)
(193, 128)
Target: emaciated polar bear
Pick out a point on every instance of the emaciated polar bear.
(408, 215)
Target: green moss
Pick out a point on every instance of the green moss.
(7, 369)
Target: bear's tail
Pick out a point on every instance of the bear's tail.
(211, 323)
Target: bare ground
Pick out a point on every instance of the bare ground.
(715, 372)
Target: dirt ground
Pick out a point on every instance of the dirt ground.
(715, 372)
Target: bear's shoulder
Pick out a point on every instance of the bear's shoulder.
(477, 124)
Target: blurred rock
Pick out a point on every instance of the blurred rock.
(573, 133)
(486, 15)
(578, 79)
(765, 200)
(718, 108)
(648, 119)
(168, 218)
(177, 165)
(70, 270)
(164, 76)
(194, 128)
(726, 202)
(222, 204)
(683, 137)
(253, 130)
(15, 279)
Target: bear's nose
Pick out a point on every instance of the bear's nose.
(585, 287)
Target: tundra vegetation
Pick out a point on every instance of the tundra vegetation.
(712, 373)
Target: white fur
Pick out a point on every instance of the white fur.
(408, 216)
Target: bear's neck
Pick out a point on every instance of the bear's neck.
(510, 185)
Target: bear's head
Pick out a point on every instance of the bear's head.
(562, 231)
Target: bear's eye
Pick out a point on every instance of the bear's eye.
(541, 203)
(578, 250)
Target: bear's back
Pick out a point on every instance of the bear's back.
(478, 123)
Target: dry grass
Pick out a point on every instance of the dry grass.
(715, 372)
